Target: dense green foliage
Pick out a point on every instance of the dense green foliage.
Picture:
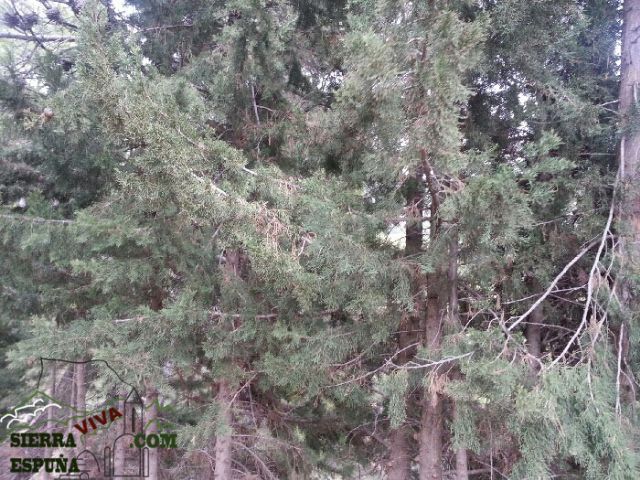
(266, 194)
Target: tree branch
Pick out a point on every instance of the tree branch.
(34, 38)
(553, 284)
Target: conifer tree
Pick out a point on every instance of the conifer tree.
(359, 239)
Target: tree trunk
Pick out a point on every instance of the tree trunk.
(80, 382)
(119, 451)
(629, 81)
(79, 402)
(431, 424)
(431, 427)
(629, 215)
(223, 447)
(48, 452)
(533, 335)
(224, 439)
(399, 464)
(432, 421)
(152, 422)
(462, 462)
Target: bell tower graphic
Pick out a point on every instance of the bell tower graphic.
(125, 460)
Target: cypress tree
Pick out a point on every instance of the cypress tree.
(332, 238)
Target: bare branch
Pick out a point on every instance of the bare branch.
(590, 286)
(553, 284)
(621, 335)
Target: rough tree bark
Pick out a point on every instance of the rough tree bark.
(432, 421)
(431, 424)
(629, 163)
(462, 460)
(628, 96)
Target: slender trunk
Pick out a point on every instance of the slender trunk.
(80, 401)
(533, 335)
(223, 447)
(223, 438)
(629, 215)
(73, 393)
(462, 461)
(152, 422)
(119, 450)
(454, 308)
(48, 452)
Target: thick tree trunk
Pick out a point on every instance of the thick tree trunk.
(223, 440)
(432, 421)
(629, 215)
(431, 424)
(431, 428)
(629, 84)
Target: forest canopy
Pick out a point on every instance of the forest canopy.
(328, 239)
